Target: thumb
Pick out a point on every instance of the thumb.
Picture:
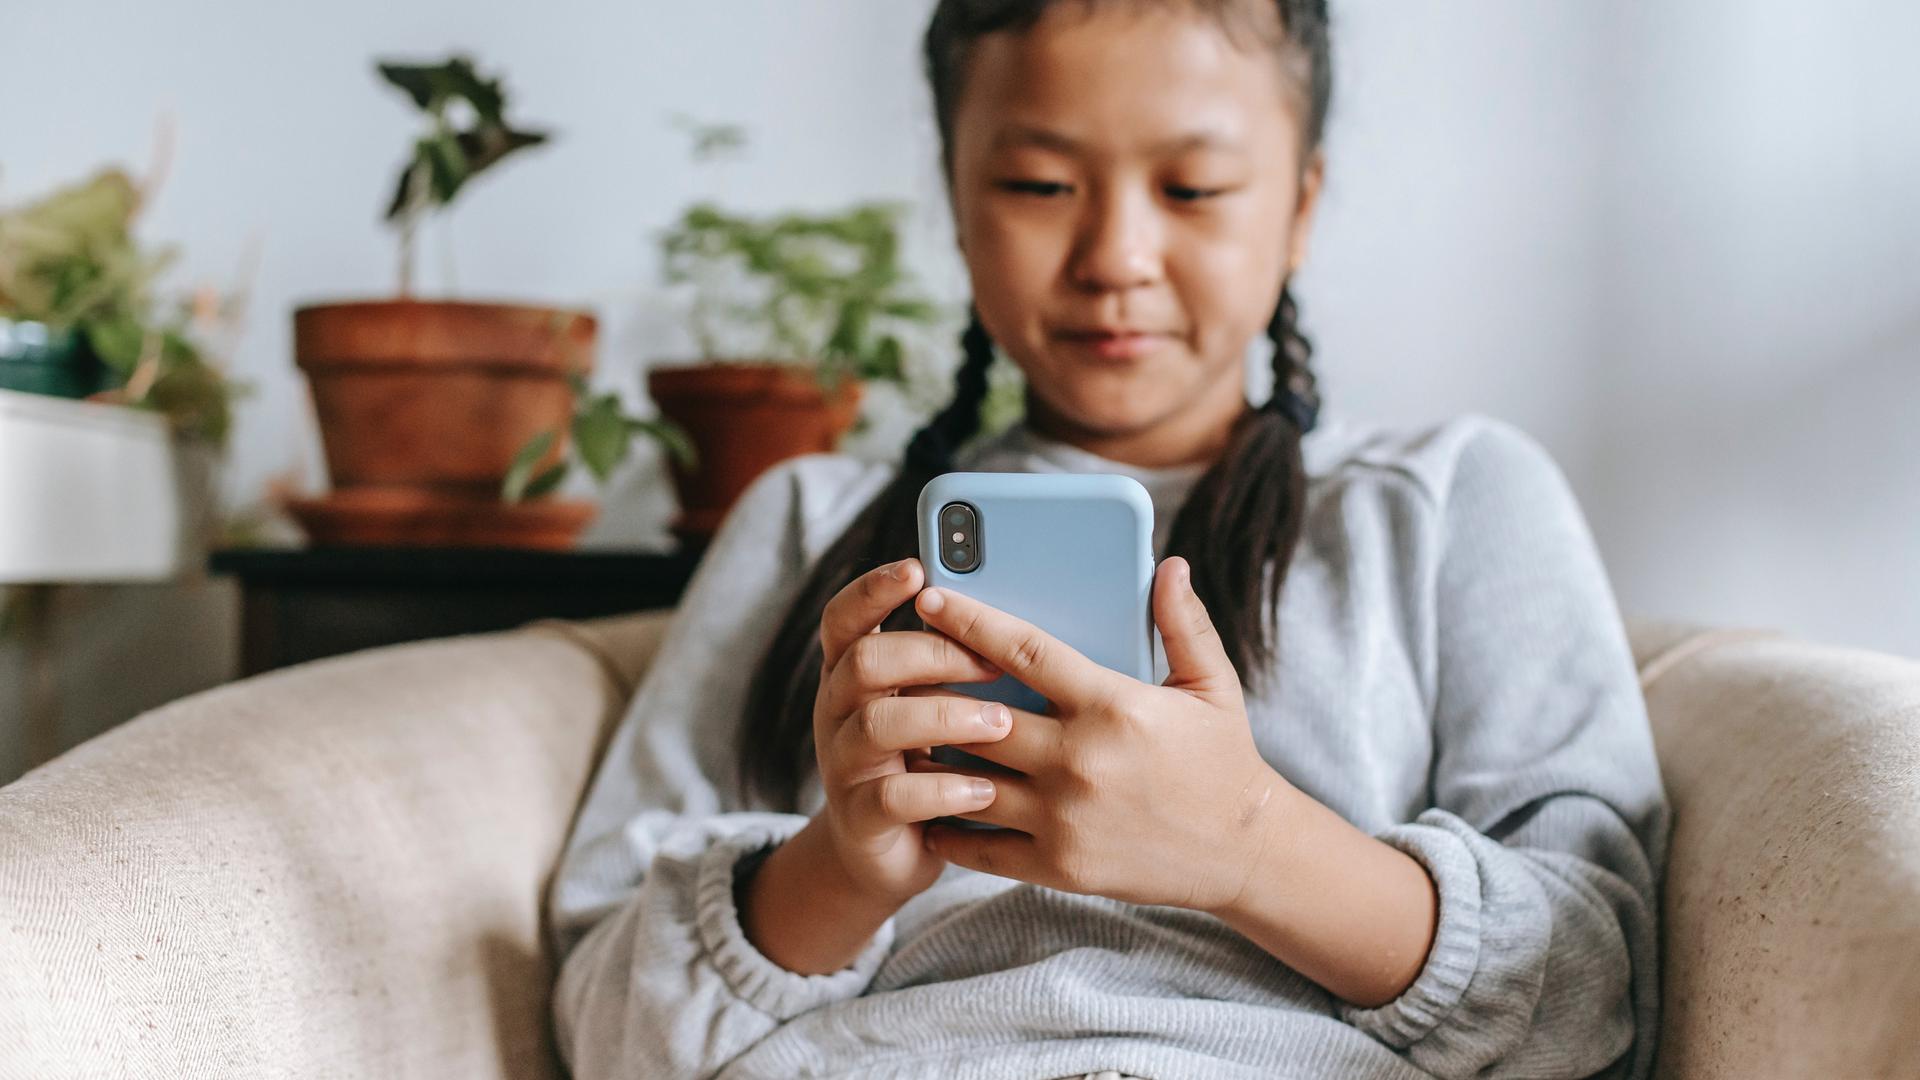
(1196, 658)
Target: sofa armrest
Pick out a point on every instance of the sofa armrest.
(1792, 895)
(335, 869)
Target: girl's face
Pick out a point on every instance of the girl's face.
(1129, 197)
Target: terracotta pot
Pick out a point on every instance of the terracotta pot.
(438, 395)
(744, 418)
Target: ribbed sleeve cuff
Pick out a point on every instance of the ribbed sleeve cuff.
(748, 972)
(1442, 984)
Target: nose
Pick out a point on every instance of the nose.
(1120, 244)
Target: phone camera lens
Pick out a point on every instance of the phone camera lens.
(960, 544)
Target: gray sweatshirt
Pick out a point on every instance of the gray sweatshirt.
(1454, 679)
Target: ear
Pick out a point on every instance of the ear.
(953, 202)
(1311, 178)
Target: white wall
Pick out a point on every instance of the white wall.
(1676, 241)
(1680, 243)
(1453, 266)
(1759, 457)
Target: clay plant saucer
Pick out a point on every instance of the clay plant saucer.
(410, 517)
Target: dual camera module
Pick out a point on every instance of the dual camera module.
(959, 537)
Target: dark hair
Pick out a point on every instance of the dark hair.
(1238, 527)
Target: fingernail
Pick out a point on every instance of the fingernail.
(898, 571)
(996, 715)
(931, 601)
(980, 788)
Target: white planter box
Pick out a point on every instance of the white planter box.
(92, 492)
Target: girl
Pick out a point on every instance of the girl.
(1398, 819)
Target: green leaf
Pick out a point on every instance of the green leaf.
(911, 309)
(193, 398)
(520, 472)
(888, 361)
(457, 78)
(484, 147)
(671, 439)
(431, 85)
(600, 436)
(446, 164)
(416, 79)
(544, 484)
(117, 341)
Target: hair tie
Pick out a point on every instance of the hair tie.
(1304, 412)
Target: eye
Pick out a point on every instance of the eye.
(1179, 193)
(1041, 188)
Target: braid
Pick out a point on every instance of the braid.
(1296, 392)
(1243, 519)
(776, 745)
(933, 446)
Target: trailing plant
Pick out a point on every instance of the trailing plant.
(602, 438)
(70, 260)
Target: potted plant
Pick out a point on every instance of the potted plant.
(423, 405)
(791, 314)
(80, 318)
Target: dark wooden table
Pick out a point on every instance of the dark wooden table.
(308, 603)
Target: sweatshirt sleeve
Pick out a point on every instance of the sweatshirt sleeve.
(1549, 823)
(656, 974)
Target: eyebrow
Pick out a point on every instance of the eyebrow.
(1048, 139)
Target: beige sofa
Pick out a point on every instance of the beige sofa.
(336, 870)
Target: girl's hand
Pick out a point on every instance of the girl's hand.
(872, 714)
(1149, 794)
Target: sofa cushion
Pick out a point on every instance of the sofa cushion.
(331, 870)
(1792, 896)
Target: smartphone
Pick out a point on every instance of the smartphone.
(1071, 553)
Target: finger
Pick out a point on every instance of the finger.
(1043, 662)
(1196, 658)
(864, 604)
(1016, 803)
(1006, 854)
(887, 726)
(904, 798)
(1033, 743)
(878, 664)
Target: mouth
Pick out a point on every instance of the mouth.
(1114, 343)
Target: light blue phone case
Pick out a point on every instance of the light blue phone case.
(1071, 553)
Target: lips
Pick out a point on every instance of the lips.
(1115, 343)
